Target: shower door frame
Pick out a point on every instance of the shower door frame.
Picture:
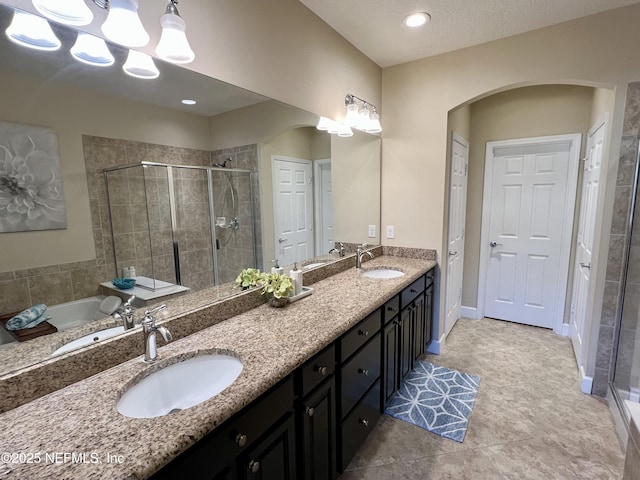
(172, 209)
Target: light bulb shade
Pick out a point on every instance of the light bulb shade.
(68, 12)
(123, 25)
(324, 124)
(352, 115)
(334, 127)
(140, 65)
(344, 130)
(374, 124)
(173, 45)
(92, 51)
(363, 118)
(32, 31)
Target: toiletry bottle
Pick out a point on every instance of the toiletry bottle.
(276, 268)
(125, 272)
(132, 272)
(296, 278)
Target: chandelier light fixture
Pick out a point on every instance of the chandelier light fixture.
(360, 114)
(32, 31)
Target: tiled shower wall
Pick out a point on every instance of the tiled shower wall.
(616, 261)
(56, 284)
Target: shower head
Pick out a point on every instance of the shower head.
(223, 164)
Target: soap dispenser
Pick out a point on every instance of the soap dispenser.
(276, 268)
(296, 279)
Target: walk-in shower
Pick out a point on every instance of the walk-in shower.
(181, 224)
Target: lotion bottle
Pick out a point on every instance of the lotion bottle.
(296, 278)
(276, 268)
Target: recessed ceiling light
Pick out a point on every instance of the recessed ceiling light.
(416, 19)
(187, 101)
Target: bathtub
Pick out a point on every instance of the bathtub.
(72, 314)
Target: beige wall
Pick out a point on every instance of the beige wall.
(597, 51)
(278, 48)
(72, 112)
(519, 113)
(355, 173)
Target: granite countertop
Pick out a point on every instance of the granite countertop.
(48, 436)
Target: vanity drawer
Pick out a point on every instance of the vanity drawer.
(412, 291)
(430, 277)
(359, 373)
(358, 335)
(391, 309)
(312, 373)
(358, 424)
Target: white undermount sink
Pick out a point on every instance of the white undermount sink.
(88, 340)
(383, 273)
(180, 386)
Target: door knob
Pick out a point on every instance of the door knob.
(585, 265)
(452, 254)
(494, 244)
(281, 240)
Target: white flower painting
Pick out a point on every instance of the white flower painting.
(31, 196)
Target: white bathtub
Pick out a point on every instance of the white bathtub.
(72, 314)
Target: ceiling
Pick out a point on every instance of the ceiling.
(375, 26)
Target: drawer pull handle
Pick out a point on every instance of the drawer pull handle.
(310, 411)
(241, 439)
(392, 309)
(413, 290)
(321, 370)
(364, 422)
(364, 333)
(254, 466)
(363, 371)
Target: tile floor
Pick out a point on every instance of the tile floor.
(530, 420)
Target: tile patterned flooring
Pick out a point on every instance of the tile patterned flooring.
(530, 420)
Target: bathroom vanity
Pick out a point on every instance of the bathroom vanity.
(316, 376)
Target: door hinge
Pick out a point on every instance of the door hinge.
(466, 169)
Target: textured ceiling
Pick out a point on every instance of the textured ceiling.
(375, 26)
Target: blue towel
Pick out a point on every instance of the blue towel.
(28, 318)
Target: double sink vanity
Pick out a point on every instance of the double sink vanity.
(294, 390)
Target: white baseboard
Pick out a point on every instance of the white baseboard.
(565, 330)
(435, 346)
(586, 382)
(469, 312)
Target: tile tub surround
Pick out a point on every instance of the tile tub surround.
(270, 342)
(632, 458)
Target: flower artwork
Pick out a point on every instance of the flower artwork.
(31, 196)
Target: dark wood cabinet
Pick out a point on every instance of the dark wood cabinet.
(428, 315)
(390, 360)
(317, 444)
(405, 343)
(419, 325)
(272, 457)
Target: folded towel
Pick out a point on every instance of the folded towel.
(28, 318)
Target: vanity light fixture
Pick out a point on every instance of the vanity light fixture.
(374, 122)
(123, 25)
(173, 45)
(140, 65)
(32, 31)
(366, 116)
(416, 19)
(92, 50)
(352, 111)
(324, 124)
(344, 130)
(69, 12)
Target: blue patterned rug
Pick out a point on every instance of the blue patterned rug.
(437, 399)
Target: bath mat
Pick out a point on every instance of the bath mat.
(437, 399)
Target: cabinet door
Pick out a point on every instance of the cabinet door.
(405, 348)
(390, 363)
(274, 457)
(317, 450)
(418, 326)
(428, 315)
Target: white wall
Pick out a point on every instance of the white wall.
(71, 113)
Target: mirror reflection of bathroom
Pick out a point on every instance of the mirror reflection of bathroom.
(180, 224)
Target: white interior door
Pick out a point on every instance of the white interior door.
(292, 209)
(584, 248)
(323, 206)
(457, 209)
(530, 196)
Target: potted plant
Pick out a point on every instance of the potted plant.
(248, 278)
(277, 287)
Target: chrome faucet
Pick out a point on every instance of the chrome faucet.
(125, 313)
(150, 329)
(361, 253)
(340, 251)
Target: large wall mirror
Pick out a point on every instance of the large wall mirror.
(209, 178)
